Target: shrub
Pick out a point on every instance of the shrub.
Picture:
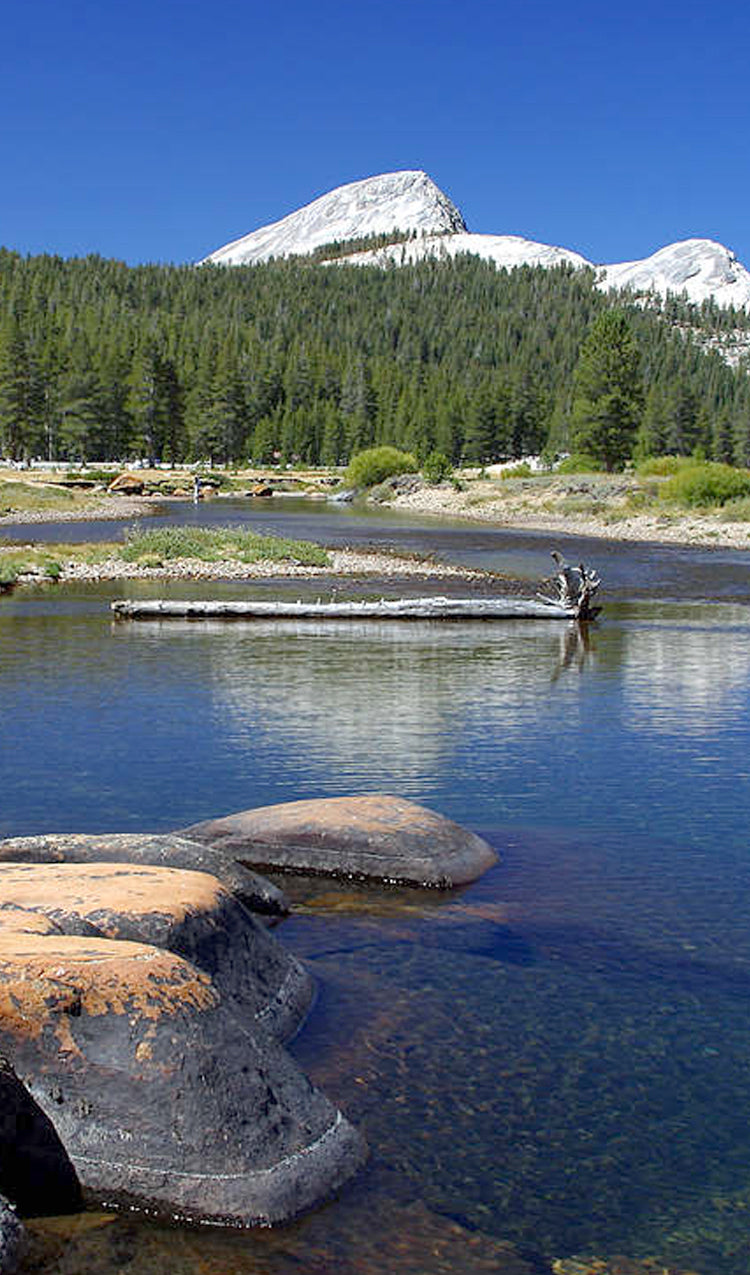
(580, 463)
(8, 575)
(701, 486)
(521, 470)
(373, 466)
(737, 510)
(53, 570)
(663, 466)
(436, 468)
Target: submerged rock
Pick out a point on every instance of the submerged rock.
(161, 850)
(381, 837)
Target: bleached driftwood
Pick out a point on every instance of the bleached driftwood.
(384, 609)
(576, 587)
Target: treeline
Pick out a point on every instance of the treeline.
(299, 362)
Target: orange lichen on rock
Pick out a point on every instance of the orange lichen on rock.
(123, 889)
(44, 976)
(16, 920)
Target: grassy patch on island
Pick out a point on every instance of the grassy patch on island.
(37, 497)
(218, 544)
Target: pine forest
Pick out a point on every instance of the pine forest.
(298, 362)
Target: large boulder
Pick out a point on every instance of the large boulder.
(127, 485)
(163, 850)
(382, 837)
(189, 913)
(163, 1098)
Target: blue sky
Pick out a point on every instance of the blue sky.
(159, 131)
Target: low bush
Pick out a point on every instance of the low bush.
(522, 470)
(737, 510)
(704, 486)
(373, 466)
(436, 468)
(104, 476)
(663, 466)
(579, 463)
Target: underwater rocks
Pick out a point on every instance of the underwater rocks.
(381, 837)
(139, 1007)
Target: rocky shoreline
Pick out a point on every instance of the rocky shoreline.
(483, 503)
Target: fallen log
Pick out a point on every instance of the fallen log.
(384, 609)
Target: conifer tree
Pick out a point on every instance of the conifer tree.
(607, 391)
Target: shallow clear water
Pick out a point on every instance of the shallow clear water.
(557, 1056)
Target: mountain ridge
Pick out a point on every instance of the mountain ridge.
(409, 202)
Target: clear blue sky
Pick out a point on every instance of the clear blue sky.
(159, 131)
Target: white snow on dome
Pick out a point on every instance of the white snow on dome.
(506, 251)
(405, 201)
(701, 268)
(411, 203)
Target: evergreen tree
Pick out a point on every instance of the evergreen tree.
(15, 391)
(607, 391)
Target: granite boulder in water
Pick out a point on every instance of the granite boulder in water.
(162, 850)
(381, 837)
(167, 1090)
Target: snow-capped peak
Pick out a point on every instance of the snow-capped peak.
(700, 268)
(405, 201)
(409, 202)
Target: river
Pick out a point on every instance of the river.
(558, 1056)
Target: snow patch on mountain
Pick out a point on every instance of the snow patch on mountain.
(506, 251)
(405, 201)
(700, 268)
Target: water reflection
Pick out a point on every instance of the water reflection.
(559, 1055)
(685, 677)
(371, 697)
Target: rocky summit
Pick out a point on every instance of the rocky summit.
(425, 223)
(405, 201)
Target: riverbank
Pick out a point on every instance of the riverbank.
(574, 507)
(612, 507)
(104, 509)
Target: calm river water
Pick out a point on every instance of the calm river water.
(558, 1056)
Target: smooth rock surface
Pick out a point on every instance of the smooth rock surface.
(160, 850)
(36, 1175)
(189, 913)
(161, 1096)
(382, 837)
